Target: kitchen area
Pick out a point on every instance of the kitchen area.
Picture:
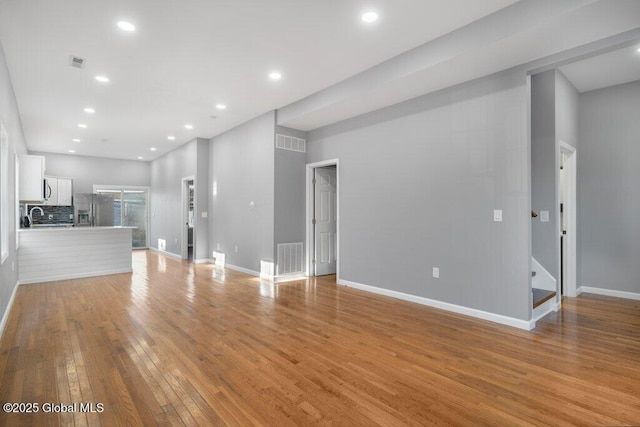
(65, 235)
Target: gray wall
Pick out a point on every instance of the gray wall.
(203, 189)
(609, 179)
(290, 192)
(87, 171)
(242, 171)
(418, 185)
(544, 190)
(166, 198)
(10, 118)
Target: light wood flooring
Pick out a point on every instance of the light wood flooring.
(176, 343)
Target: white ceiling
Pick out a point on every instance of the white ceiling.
(187, 56)
(609, 69)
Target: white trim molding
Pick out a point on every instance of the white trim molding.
(289, 278)
(243, 270)
(170, 254)
(467, 311)
(75, 276)
(608, 292)
(5, 317)
(544, 309)
(543, 279)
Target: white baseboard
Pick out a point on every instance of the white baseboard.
(544, 309)
(485, 315)
(608, 292)
(543, 279)
(75, 276)
(5, 316)
(171, 254)
(201, 261)
(289, 278)
(243, 270)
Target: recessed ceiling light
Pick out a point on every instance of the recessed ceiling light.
(638, 50)
(126, 26)
(153, 148)
(76, 139)
(82, 125)
(102, 79)
(89, 110)
(188, 126)
(370, 17)
(221, 107)
(275, 75)
(72, 151)
(140, 157)
(171, 138)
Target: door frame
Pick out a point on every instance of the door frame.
(569, 211)
(184, 236)
(310, 207)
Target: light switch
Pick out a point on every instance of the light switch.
(205, 214)
(497, 215)
(544, 216)
(436, 272)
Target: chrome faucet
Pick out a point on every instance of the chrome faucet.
(31, 213)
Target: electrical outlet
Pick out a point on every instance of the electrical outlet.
(70, 216)
(50, 216)
(236, 248)
(436, 272)
(176, 241)
(497, 215)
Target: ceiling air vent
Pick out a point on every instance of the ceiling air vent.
(76, 61)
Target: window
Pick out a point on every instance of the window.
(4, 193)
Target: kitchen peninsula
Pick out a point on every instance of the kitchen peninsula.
(56, 253)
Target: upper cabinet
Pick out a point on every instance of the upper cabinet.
(31, 175)
(65, 191)
(57, 191)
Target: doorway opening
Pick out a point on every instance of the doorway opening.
(188, 220)
(567, 213)
(130, 209)
(323, 218)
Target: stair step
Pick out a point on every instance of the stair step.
(540, 296)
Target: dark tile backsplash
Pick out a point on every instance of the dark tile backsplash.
(60, 214)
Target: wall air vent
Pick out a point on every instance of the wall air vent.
(290, 143)
(290, 259)
(76, 61)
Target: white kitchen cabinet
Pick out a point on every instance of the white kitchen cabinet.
(31, 176)
(57, 191)
(65, 191)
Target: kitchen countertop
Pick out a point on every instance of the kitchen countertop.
(63, 228)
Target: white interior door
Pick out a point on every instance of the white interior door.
(325, 221)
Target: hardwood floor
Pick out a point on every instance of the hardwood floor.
(175, 344)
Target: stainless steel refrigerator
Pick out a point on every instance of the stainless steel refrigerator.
(93, 210)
